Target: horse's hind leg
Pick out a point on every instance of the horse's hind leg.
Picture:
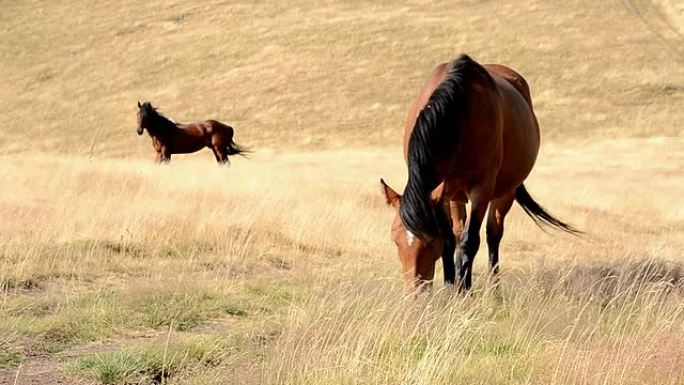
(221, 155)
(219, 150)
(216, 154)
(495, 229)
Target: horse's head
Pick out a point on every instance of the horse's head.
(417, 256)
(143, 116)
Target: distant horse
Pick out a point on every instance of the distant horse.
(470, 135)
(169, 137)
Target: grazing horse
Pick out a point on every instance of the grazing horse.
(470, 135)
(169, 137)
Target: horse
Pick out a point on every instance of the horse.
(169, 137)
(471, 135)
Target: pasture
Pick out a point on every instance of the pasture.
(280, 269)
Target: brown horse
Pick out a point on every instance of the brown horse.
(169, 137)
(471, 135)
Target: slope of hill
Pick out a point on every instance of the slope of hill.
(308, 74)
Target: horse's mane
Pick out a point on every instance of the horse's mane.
(434, 136)
(157, 121)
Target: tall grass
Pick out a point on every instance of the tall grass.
(617, 330)
(105, 261)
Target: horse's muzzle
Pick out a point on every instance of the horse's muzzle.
(140, 130)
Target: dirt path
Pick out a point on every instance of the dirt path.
(45, 369)
(36, 371)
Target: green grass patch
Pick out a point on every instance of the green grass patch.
(52, 323)
(187, 308)
(182, 310)
(10, 356)
(154, 362)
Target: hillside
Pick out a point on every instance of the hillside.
(327, 74)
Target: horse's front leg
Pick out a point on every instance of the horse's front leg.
(452, 238)
(163, 155)
(449, 246)
(160, 149)
(470, 238)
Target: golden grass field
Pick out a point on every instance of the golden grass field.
(280, 269)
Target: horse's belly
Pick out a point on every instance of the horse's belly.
(515, 167)
(187, 148)
(520, 143)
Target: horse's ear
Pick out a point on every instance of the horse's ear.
(139, 106)
(437, 194)
(391, 197)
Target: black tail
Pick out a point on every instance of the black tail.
(234, 149)
(538, 214)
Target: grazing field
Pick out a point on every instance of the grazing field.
(117, 270)
(280, 269)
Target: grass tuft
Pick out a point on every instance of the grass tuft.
(10, 356)
(153, 362)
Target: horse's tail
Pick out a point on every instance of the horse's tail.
(538, 214)
(235, 149)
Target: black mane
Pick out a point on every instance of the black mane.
(156, 122)
(433, 138)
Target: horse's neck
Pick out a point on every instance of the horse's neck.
(163, 127)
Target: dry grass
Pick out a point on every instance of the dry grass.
(280, 269)
(305, 281)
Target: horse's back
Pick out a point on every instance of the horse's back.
(435, 78)
(513, 77)
(219, 128)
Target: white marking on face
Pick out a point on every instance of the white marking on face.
(410, 237)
